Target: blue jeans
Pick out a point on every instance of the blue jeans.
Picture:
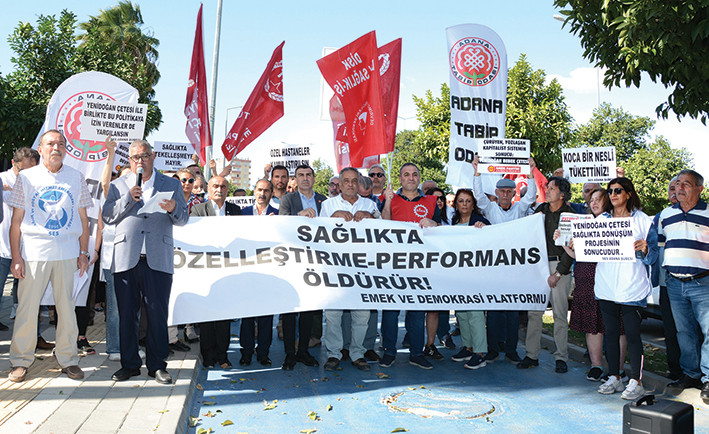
(390, 330)
(416, 327)
(113, 342)
(690, 306)
(503, 326)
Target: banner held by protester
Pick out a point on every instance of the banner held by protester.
(232, 267)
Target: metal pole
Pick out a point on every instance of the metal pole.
(212, 104)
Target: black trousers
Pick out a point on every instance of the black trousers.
(305, 325)
(214, 337)
(631, 323)
(247, 335)
(137, 285)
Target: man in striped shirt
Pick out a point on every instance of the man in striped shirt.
(685, 227)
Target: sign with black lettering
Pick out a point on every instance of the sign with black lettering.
(234, 267)
(290, 156)
(172, 155)
(583, 165)
(123, 121)
(242, 201)
(503, 156)
(565, 226)
(604, 240)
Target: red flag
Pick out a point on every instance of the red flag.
(350, 73)
(262, 109)
(196, 108)
(390, 72)
(521, 180)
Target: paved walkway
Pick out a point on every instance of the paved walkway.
(49, 402)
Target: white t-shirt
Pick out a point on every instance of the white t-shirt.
(8, 178)
(51, 225)
(337, 203)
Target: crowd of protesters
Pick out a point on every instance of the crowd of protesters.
(45, 239)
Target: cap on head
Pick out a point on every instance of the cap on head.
(505, 183)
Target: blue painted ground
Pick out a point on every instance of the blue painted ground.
(447, 399)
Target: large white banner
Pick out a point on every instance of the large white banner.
(231, 267)
(477, 60)
(64, 113)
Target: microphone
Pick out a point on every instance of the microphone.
(139, 181)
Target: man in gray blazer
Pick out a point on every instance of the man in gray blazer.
(215, 335)
(302, 202)
(143, 259)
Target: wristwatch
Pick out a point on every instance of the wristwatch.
(85, 253)
(557, 274)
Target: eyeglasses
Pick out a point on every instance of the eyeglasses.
(376, 175)
(190, 180)
(144, 157)
(615, 191)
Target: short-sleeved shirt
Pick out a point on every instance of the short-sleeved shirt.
(51, 225)
(337, 203)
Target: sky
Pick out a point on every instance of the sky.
(251, 30)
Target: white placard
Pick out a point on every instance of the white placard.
(120, 120)
(172, 155)
(503, 156)
(238, 266)
(565, 227)
(604, 240)
(290, 156)
(242, 201)
(583, 165)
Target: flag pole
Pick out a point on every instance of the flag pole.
(213, 99)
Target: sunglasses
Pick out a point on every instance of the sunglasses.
(190, 180)
(616, 191)
(143, 157)
(376, 175)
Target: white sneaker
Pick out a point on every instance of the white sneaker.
(114, 357)
(634, 390)
(611, 386)
(141, 353)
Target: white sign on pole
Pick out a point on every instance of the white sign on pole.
(503, 156)
(242, 201)
(290, 156)
(583, 165)
(172, 156)
(604, 240)
(565, 227)
(120, 120)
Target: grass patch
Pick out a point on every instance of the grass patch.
(655, 359)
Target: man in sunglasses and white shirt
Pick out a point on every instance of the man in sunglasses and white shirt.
(143, 259)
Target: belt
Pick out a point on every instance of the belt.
(690, 278)
(555, 258)
(142, 256)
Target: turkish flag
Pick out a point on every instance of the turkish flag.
(521, 180)
(353, 73)
(196, 108)
(262, 109)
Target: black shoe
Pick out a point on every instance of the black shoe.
(265, 361)
(513, 357)
(245, 360)
(124, 373)
(432, 352)
(447, 342)
(686, 382)
(161, 376)
(527, 363)
(491, 356)
(179, 346)
(372, 355)
(288, 363)
(332, 364)
(306, 359)
(704, 394)
(561, 367)
(3, 327)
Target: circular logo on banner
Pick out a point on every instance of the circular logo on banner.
(52, 208)
(69, 122)
(363, 119)
(474, 61)
(420, 211)
(274, 84)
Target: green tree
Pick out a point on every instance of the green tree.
(323, 173)
(433, 134)
(115, 42)
(668, 40)
(537, 111)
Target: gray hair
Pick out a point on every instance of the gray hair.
(365, 182)
(698, 179)
(140, 143)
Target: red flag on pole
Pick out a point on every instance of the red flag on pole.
(196, 107)
(262, 109)
(390, 72)
(352, 72)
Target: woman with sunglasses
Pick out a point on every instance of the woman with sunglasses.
(186, 177)
(471, 322)
(624, 287)
(446, 213)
